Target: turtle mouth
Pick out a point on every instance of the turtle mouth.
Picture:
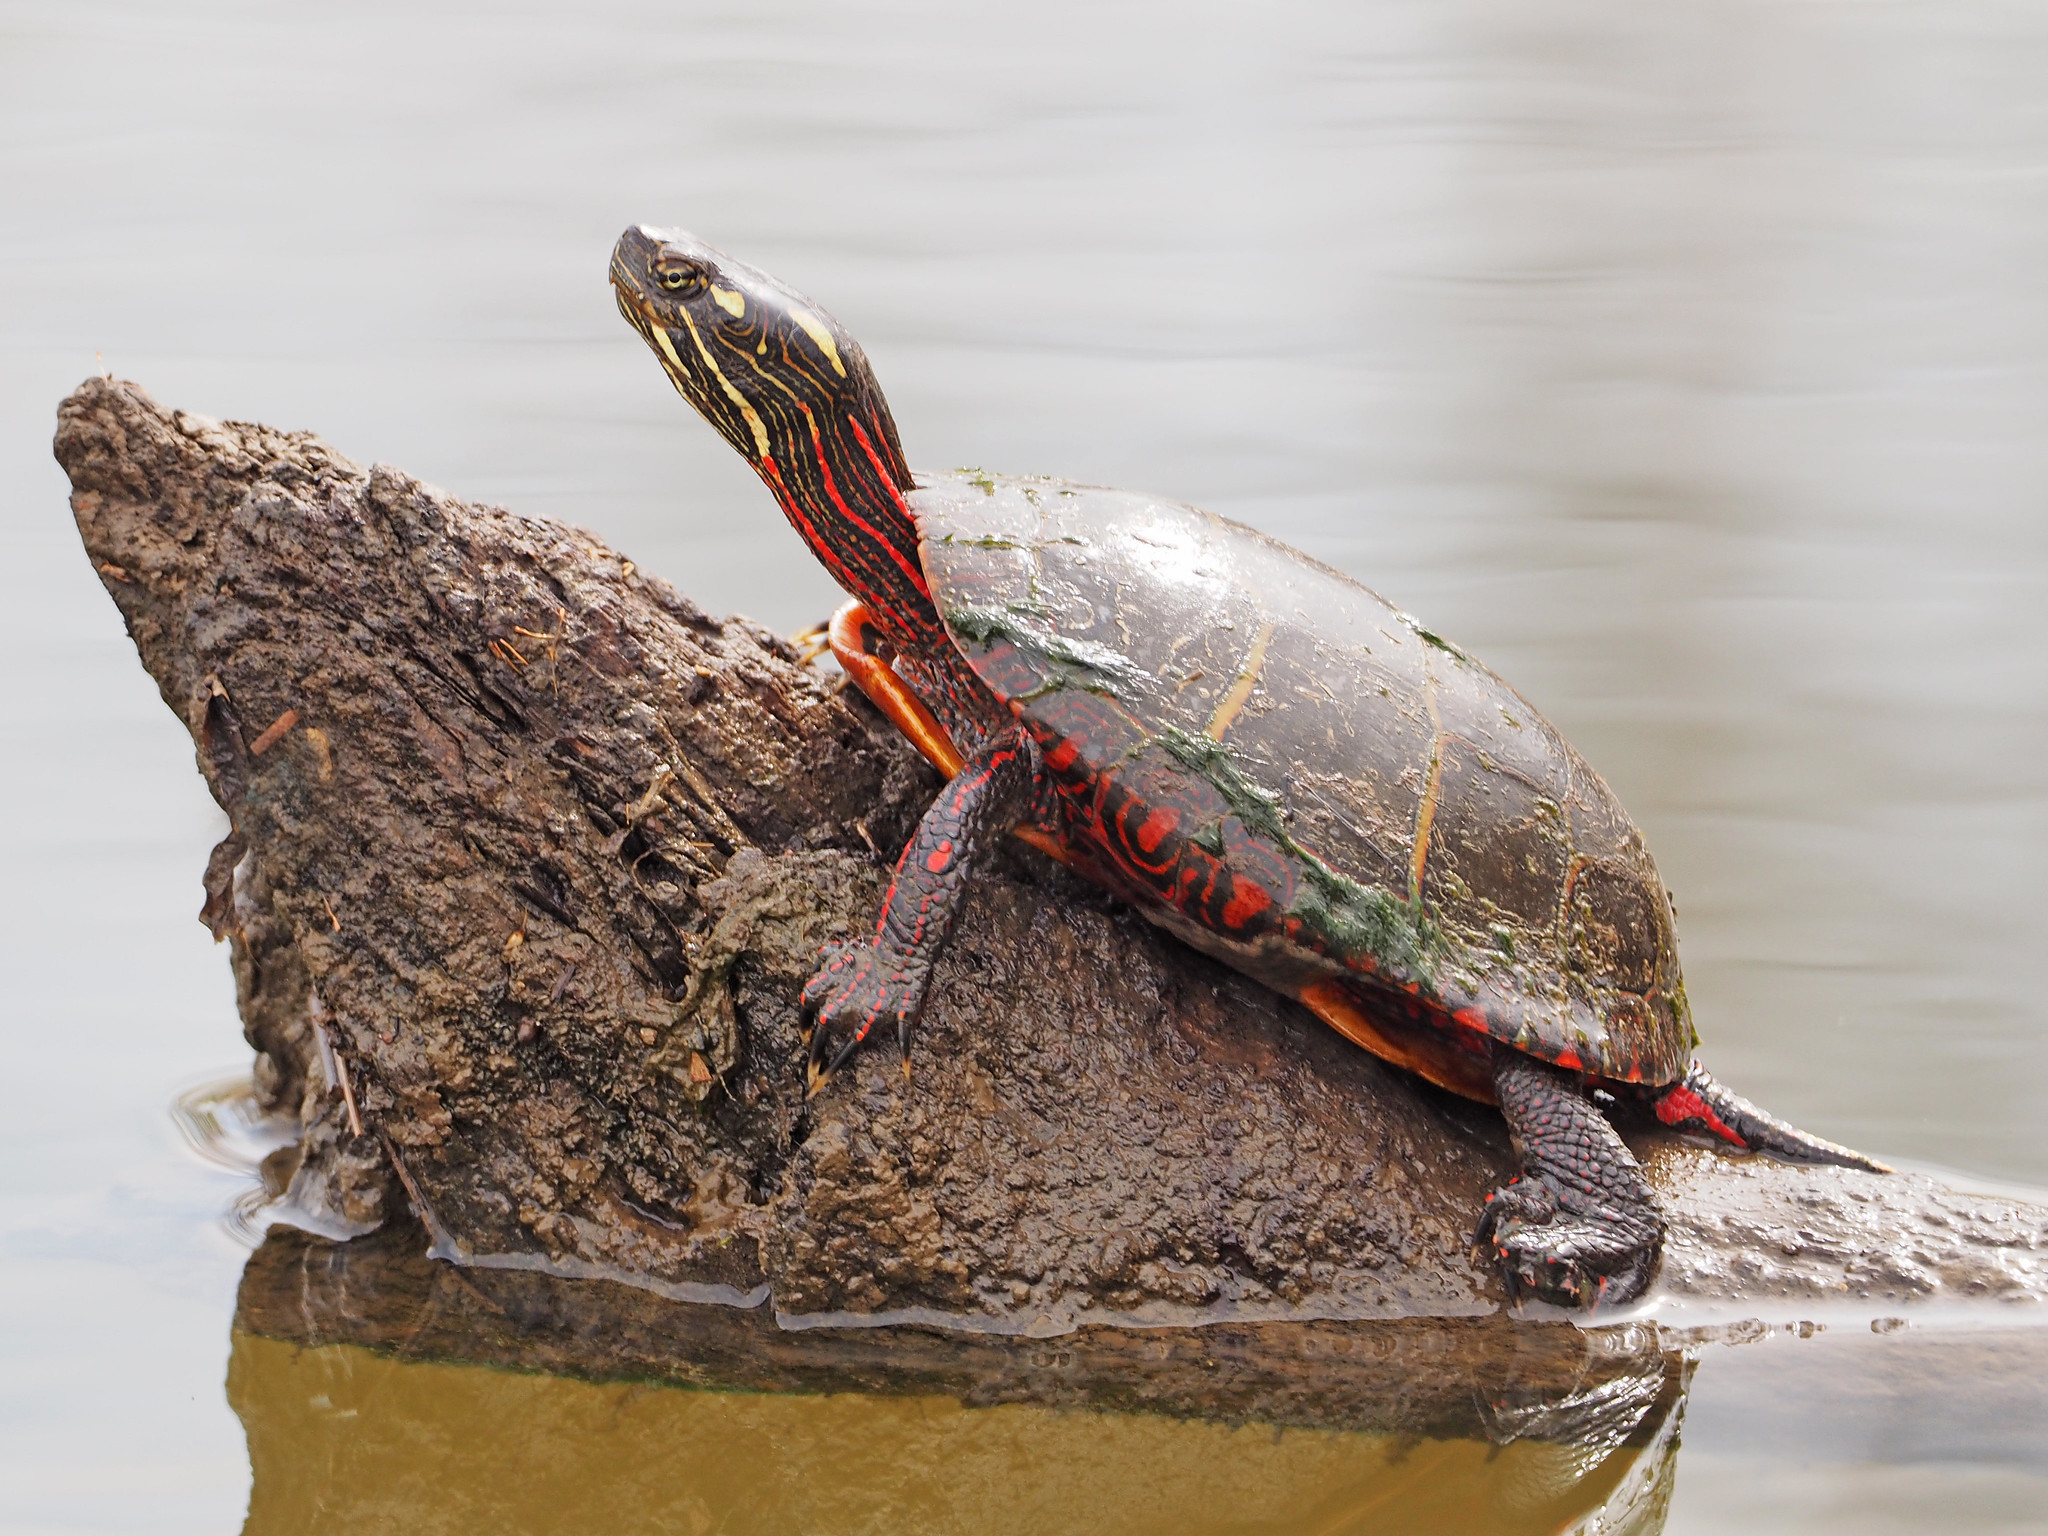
(625, 280)
(634, 308)
(635, 303)
(638, 304)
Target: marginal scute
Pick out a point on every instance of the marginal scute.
(1249, 745)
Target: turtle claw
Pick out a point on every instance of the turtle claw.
(1567, 1251)
(818, 1072)
(845, 1055)
(814, 995)
(1599, 1295)
(855, 988)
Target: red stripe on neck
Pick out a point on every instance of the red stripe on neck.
(881, 472)
(903, 562)
(795, 512)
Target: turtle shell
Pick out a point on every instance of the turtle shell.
(1272, 761)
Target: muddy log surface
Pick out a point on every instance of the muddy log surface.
(530, 857)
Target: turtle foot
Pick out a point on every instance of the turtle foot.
(856, 989)
(1551, 1243)
(1580, 1227)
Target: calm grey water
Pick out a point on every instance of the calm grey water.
(1688, 363)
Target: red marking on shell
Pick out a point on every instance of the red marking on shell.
(1569, 1060)
(1061, 757)
(1246, 903)
(1471, 1018)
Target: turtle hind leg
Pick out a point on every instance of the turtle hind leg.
(1697, 1103)
(1579, 1227)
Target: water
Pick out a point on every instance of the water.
(1687, 363)
(336, 1431)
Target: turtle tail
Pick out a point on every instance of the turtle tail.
(1699, 1104)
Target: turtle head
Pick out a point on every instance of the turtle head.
(778, 377)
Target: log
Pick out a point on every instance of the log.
(530, 857)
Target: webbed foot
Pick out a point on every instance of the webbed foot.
(856, 989)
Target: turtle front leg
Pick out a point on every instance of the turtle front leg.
(1579, 1226)
(884, 979)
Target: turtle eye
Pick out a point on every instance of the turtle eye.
(678, 274)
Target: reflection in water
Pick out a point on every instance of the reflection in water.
(381, 1390)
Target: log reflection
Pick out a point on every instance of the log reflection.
(381, 1390)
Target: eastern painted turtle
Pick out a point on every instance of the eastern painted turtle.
(1259, 754)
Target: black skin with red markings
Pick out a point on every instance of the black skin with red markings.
(883, 980)
(1262, 756)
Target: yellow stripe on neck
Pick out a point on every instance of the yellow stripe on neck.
(753, 419)
(815, 329)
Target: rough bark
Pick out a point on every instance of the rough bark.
(530, 857)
